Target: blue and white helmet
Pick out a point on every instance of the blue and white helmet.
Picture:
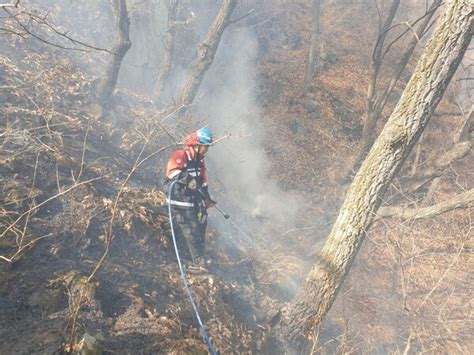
(204, 136)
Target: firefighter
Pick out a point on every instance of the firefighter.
(190, 197)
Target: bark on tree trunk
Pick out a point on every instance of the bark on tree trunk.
(314, 50)
(166, 64)
(426, 87)
(107, 86)
(206, 52)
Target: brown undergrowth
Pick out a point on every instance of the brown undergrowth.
(86, 253)
(61, 170)
(410, 288)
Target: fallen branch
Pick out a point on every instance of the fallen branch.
(436, 167)
(48, 200)
(109, 235)
(20, 249)
(459, 201)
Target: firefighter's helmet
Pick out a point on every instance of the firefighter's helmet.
(204, 136)
(201, 136)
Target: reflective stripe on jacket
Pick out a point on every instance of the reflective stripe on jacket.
(183, 166)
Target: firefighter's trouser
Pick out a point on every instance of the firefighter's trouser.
(190, 227)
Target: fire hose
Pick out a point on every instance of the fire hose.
(202, 329)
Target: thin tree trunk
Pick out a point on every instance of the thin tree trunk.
(107, 86)
(425, 89)
(428, 199)
(206, 52)
(169, 44)
(382, 99)
(434, 169)
(376, 102)
(465, 133)
(314, 50)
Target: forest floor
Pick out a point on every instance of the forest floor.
(410, 287)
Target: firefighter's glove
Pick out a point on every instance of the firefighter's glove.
(210, 202)
(205, 193)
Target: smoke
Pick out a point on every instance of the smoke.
(227, 103)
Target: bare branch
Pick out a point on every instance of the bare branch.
(42, 22)
(429, 13)
(14, 257)
(377, 51)
(48, 200)
(14, 4)
(250, 12)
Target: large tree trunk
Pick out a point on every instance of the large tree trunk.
(109, 82)
(434, 70)
(206, 52)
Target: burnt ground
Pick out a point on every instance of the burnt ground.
(61, 171)
(137, 303)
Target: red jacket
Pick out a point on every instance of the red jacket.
(185, 160)
(184, 167)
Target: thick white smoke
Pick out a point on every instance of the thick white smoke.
(229, 102)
